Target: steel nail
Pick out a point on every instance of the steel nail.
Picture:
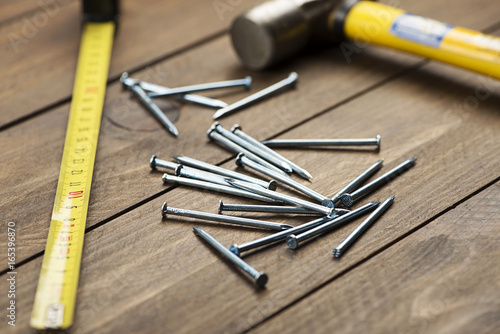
(279, 236)
(241, 159)
(282, 197)
(155, 162)
(148, 103)
(201, 175)
(165, 210)
(293, 143)
(198, 99)
(349, 199)
(258, 277)
(187, 161)
(340, 249)
(217, 188)
(252, 148)
(264, 209)
(354, 184)
(236, 129)
(228, 144)
(245, 82)
(288, 82)
(293, 241)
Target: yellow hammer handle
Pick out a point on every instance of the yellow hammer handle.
(384, 25)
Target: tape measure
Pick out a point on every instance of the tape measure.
(57, 286)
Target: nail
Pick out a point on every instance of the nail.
(282, 197)
(259, 278)
(198, 99)
(201, 175)
(257, 151)
(217, 188)
(245, 82)
(165, 210)
(288, 82)
(354, 184)
(242, 160)
(187, 161)
(293, 143)
(217, 137)
(155, 162)
(349, 199)
(148, 103)
(264, 208)
(293, 241)
(236, 129)
(337, 252)
(279, 236)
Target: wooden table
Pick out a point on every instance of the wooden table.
(430, 265)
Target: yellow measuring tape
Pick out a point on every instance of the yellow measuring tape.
(56, 292)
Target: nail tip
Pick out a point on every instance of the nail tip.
(218, 115)
(308, 175)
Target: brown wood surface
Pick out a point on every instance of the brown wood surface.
(141, 274)
(40, 64)
(29, 9)
(439, 279)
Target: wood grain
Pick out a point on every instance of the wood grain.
(158, 276)
(27, 9)
(39, 64)
(438, 280)
(36, 77)
(128, 128)
(130, 135)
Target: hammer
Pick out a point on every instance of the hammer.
(277, 29)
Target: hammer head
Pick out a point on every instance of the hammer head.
(277, 29)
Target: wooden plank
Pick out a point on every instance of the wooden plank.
(36, 76)
(130, 135)
(127, 128)
(441, 279)
(29, 9)
(140, 274)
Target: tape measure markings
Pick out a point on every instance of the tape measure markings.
(56, 292)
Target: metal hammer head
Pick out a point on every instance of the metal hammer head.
(275, 30)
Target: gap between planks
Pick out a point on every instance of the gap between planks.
(163, 192)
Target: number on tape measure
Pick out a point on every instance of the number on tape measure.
(56, 292)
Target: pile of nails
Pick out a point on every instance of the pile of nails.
(260, 158)
(145, 91)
